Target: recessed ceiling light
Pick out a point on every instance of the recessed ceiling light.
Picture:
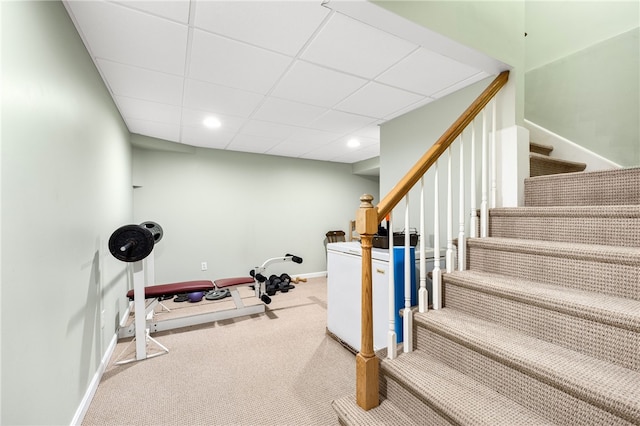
(212, 122)
(353, 143)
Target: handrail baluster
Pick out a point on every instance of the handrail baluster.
(407, 314)
(449, 253)
(392, 336)
(437, 273)
(423, 293)
(461, 238)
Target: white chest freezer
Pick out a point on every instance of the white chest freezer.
(344, 283)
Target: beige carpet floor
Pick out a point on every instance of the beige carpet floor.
(278, 368)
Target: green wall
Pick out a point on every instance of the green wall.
(556, 29)
(66, 185)
(583, 75)
(235, 210)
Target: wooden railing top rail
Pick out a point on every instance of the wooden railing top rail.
(439, 147)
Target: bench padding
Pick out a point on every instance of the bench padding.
(174, 288)
(230, 282)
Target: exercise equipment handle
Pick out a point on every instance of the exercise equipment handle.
(295, 259)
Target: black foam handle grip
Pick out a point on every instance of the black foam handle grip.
(261, 278)
(295, 259)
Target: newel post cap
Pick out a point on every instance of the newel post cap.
(366, 216)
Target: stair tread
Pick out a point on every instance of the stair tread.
(455, 395)
(601, 253)
(547, 159)
(387, 413)
(613, 388)
(540, 148)
(615, 211)
(611, 310)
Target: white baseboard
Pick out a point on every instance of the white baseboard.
(311, 274)
(568, 150)
(93, 386)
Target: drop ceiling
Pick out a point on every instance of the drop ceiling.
(292, 78)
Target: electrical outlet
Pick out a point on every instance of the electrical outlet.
(203, 266)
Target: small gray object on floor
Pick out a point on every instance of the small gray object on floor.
(217, 294)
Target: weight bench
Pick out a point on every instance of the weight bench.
(166, 290)
(144, 325)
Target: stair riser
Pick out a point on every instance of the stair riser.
(603, 341)
(411, 406)
(540, 149)
(522, 388)
(620, 187)
(615, 231)
(590, 275)
(541, 167)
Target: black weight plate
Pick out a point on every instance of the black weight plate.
(155, 229)
(138, 242)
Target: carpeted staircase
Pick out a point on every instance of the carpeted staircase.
(543, 327)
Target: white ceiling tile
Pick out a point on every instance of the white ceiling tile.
(341, 122)
(135, 82)
(230, 63)
(459, 85)
(409, 108)
(148, 111)
(166, 131)
(378, 100)
(132, 37)
(283, 26)
(195, 118)
(327, 151)
(206, 138)
(426, 72)
(287, 112)
(176, 10)
(309, 139)
(289, 149)
(215, 98)
(268, 129)
(359, 155)
(315, 85)
(354, 47)
(252, 143)
(371, 132)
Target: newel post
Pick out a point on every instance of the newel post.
(367, 364)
